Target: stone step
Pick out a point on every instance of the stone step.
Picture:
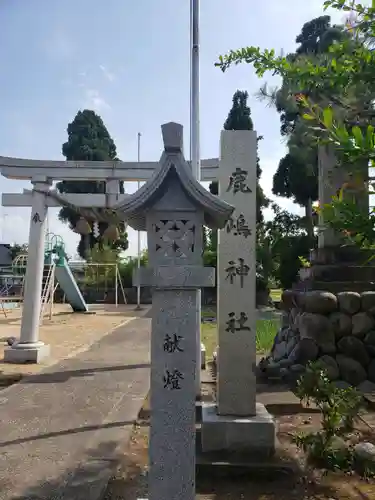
(344, 254)
(342, 286)
(341, 273)
(335, 286)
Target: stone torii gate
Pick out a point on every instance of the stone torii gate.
(42, 173)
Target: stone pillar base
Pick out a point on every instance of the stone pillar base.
(203, 357)
(26, 353)
(256, 434)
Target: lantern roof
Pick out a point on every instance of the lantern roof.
(173, 171)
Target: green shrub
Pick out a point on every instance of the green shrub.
(339, 409)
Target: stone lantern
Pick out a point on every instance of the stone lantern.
(173, 208)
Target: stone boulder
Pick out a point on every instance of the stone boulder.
(364, 452)
(319, 302)
(370, 338)
(306, 350)
(351, 370)
(280, 351)
(342, 385)
(371, 350)
(354, 348)
(319, 328)
(294, 315)
(362, 323)
(366, 387)
(349, 302)
(341, 324)
(368, 301)
(336, 330)
(288, 299)
(371, 371)
(285, 321)
(330, 366)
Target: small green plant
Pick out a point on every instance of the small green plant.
(304, 262)
(339, 409)
(266, 330)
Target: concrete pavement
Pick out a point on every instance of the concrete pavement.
(62, 431)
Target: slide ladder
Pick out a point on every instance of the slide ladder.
(48, 291)
(55, 252)
(4, 291)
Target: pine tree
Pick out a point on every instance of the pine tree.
(239, 118)
(88, 140)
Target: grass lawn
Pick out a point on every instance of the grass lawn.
(266, 331)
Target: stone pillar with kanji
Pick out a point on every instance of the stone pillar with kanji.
(237, 421)
(236, 275)
(173, 208)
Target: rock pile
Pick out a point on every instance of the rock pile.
(338, 330)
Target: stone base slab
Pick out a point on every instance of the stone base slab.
(29, 354)
(256, 434)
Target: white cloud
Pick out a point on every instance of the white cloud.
(107, 74)
(94, 100)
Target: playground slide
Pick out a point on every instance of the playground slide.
(69, 286)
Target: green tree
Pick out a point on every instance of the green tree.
(127, 266)
(239, 118)
(281, 242)
(107, 258)
(334, 94)
(88, 140)
(298, 180)
(16, 250)
(316, 38)
(297, 173)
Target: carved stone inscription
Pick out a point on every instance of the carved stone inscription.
(238, 182)
(174, 356)
(236, 272)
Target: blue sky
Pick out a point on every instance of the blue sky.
(129, 61)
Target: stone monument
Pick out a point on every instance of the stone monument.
(173, 208)
(237, 422)
(336, 266)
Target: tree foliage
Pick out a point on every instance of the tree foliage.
(315, 39)
(297, 174)
(281, 242)
(239, 118)
(88, 140)
(17, 249)
(294, 179)
(334, 93)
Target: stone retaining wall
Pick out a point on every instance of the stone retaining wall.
(338, 330)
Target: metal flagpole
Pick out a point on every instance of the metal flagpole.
(195, 147)
(194, 90)
(138, 308)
